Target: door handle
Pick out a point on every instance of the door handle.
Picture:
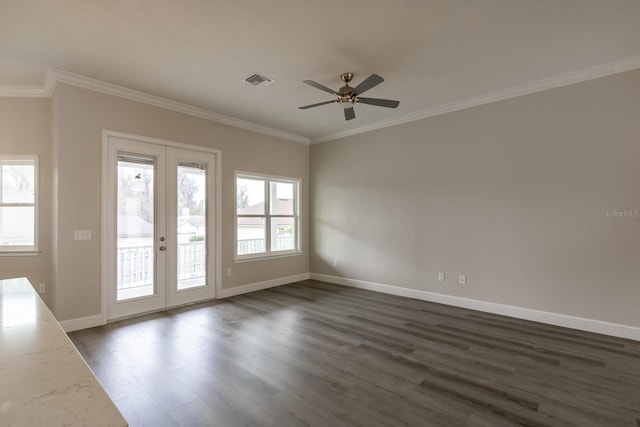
(162, 248)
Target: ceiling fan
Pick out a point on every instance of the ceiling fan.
(352, 94)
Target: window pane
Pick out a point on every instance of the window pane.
(17, 226)
(191, 256)
(251, 235)
(283, 234)
(282, 198)
(250, 196)
(18, 182)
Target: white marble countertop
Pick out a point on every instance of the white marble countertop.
(43, 379)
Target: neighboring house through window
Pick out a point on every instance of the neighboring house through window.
(18, 204)
(267, 216)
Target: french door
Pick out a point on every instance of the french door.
(159, 241)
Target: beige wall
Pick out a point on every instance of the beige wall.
(25, 129)
(81, 116)
(511, 194)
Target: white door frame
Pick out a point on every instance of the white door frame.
(107, 224)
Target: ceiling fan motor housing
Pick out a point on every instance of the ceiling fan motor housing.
(345, 94)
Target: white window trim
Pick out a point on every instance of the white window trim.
(298, 213)
(27, 250)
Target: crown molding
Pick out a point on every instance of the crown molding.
(565, 79)
(44, 91)
(66, 77)
(24, 92)
(56, 75)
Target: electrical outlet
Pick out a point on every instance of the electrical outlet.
(441, 277)
(462, 279)
(228, 272)
(42, 288)
(335, 262)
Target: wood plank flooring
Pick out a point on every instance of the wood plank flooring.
(318, 354)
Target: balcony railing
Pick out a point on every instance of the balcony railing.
(250, 246)
(256, 246)
(136, 264)
(192, 260)
(135, 267)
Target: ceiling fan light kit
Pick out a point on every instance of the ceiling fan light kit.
(348, 95)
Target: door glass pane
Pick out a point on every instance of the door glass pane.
(192, 236)
(283, 234)
(135, 226)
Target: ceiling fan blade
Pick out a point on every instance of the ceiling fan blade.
(319, 86)
(389, 103)
(318, 104)
(372, 81)
(349, 113)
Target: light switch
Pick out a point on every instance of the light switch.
(82, 235)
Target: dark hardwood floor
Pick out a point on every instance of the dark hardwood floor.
(318, 354)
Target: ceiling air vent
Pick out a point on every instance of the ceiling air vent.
(258, 80)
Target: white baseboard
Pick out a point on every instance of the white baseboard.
(98, 320)
(584, 324)
(82, 323)
(258, 286)
(580, 323)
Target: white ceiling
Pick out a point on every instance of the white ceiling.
(432, 53)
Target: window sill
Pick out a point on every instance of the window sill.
(263, 257)
(28, 252)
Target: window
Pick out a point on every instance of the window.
(267, 216)
(18, 198)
